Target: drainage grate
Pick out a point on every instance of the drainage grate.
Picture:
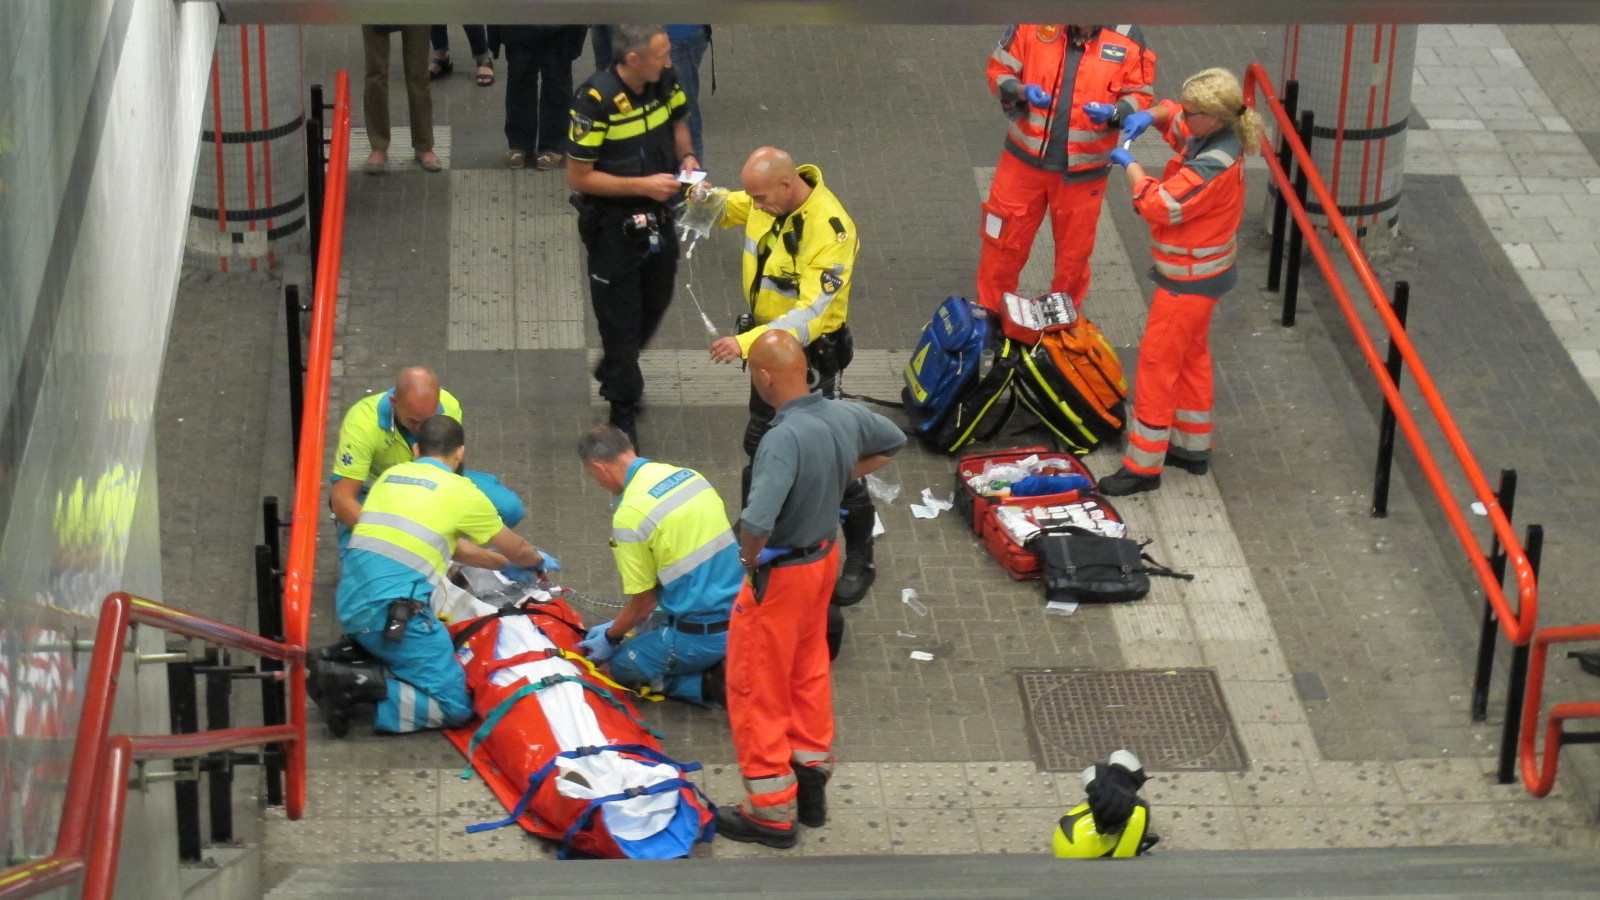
(1174, 720)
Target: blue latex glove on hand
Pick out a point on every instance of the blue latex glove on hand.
(519, 574)
(1099, 113)
(551, 564)
(596, 645)
(1134, 125)
(1036, 95)
(1121, 157)
(768, 554)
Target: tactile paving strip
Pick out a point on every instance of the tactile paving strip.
(1174, 720)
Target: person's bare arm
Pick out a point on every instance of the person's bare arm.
(866, 465)
(470, 554)
(639, 608)
(517, 549)
(344, 500)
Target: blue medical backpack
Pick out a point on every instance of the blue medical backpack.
(958, 380)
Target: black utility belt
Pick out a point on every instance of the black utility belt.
(700, 627)
(798, 554)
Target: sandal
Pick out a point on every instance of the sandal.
(485, 71)
(439, 67)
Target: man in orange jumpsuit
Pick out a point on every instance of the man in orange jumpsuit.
(779, 681)
(1193, 210)
(1066, 90)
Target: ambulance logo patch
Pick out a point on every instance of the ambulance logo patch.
(345, 459)
(1048, 33)
(1113, 53)
(580, 126)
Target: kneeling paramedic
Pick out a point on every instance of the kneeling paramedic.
(780, 686)
(799, 260)
(415, 516)
(674, 549)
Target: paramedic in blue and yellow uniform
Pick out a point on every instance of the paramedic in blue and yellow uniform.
(408, 530)
(675, 550)
(627, 141)
(378, 432)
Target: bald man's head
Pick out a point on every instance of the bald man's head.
(416, 396)
(773, 182)
(778, 368)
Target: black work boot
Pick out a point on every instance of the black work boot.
(733, 824)
(1122, 482)
(714, 684)
(1194, 464)
(340, 686)
(858, 573)
(812, 801)
(625, 418)
(835, 631)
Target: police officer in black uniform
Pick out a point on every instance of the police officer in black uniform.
(628, 140)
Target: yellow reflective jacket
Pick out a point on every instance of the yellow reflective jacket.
(797, 269)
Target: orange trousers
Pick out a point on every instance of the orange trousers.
(780, 683)
(1017, 201)
(1172, 387)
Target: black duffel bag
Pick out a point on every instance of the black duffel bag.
(1083, 567)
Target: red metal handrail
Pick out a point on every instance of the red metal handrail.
(301, 562)
(1539, 776)
(1518, 624)
(90, 833)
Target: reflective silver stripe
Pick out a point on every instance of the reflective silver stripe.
(751, 247)
(1078, 134)
(1148, 432)
(1003, 56)
(1080, 159)
(406, 718)
(1198, 252)
(1031, 144)
(782, 290)
(1227, 159)
(1146, 459)
(822, 762)
(1147, 91)
(408, 558)
(1196, 446)
(798, 319)
(681, 495)
(409, 527)
(670, 573)
(1037, 118)
(1199, 269)
(769, 785)
(1193, 416)
(1174, 208)
(1124, 30)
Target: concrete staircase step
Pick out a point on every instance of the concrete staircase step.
(1512, 873)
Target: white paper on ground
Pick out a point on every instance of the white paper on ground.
(877, 525)
(921, 655)
(1061, 607)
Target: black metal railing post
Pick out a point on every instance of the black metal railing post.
(272, 530)
(1489, 631)
(1386, 422)
(297, 368)
(316, 174)
(185, 719)
(219, 715)
(1291, 287)
(1517, 682)
(1280, 204)
(274, 706)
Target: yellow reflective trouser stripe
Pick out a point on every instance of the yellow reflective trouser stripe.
(637, 124)
(643, 691)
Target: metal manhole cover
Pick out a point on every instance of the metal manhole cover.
(1174, 720)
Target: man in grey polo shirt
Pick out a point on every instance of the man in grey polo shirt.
(780, 686)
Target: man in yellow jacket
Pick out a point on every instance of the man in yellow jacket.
(798, 265)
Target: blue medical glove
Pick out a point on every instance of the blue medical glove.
(1134, 124)
(596, 645)
(1036, 95)
(551, 564)
(768, 554)
(519, 574)
(1100, 113)
(1121, 157)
